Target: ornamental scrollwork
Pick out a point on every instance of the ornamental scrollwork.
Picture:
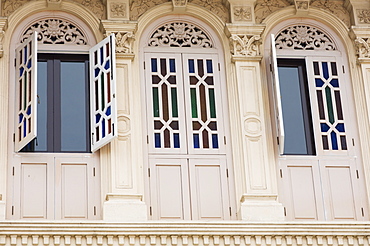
(56, 31)
(242, 13)
(139, 7)
(9, 6)
(245, 45)
(215, 6)
(124, 41)
(336, 7)
(95, 6)
(363, 47)
(264, 8)
(2, 33)
(303, 37)
(363, 15)
(179, 34)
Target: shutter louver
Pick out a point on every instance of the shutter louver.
(26, 92)
(102, 93)
(277, 96)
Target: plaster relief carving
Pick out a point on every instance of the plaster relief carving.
(215, 6)
(363, 47)
(264, 8)
(180, 35)
(304, 38)
(124, 41)
(242, 13)
(95, 6)
(9, 6)
(139, 7)
(2, 33)
(123, 125)
(118, 10)
(336, 7)
(179, 3)
(245, 45)
(363, 15)
(302, 5)
(253, 127)
(56, 31)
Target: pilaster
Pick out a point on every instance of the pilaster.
(258, 195)
(360, 12)
(124, 193)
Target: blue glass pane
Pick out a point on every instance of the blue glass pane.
(97, 118)
(29, 64)
(20, 118)
(108, 111)
(176, 140)
(324, 127)
(334, 142)
(325, 70)
(319, 82)
(103, 128)
(191, 66)
(157, 140)
(24, 128)
(154, 65)
(21, 70)
(334, 83)
(340, 127)
(29, 110)
(209, 66)
(107, 65)
(101, 56)
(25, 55)
(196, 141)
(215, 141)
(97, 70)
(172, 66)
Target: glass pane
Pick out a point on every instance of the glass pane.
(293, 115)
(41, 106)
(73, 107)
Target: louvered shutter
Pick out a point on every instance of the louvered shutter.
(26, 92)
(102, 93)
(277, 96)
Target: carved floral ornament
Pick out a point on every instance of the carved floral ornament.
(301, 37)
(56, 31)
(245, 45)
(179, 34)
(363, 47)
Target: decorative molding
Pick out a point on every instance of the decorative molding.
(139, 7)
(118, 10)
(242, 13)
(179, 3)
(2, 33)
(363, 16)
(303, 37)
(245, 45)
(264, 8)
(95, 6)
(56, 31)
(363, 47)
(179, 34)
(215, 6)
(336, 7)
(124, 41)
(302, 5)
(9, 6)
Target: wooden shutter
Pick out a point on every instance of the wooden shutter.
(277, 96)
(26, 92)
(103, 93)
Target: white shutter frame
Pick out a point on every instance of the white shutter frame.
(26, 92)
(103, 106)
(277, 96)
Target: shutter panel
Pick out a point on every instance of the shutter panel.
(277, 96)
(26, 92)
(102, 93)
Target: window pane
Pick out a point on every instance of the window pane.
(41, 143)
(293, 111)
(73, 107)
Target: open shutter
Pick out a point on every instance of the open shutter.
(26, 92)
(102, 93)
(277, 96)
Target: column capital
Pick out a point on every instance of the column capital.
(3, 26)
(361, 37)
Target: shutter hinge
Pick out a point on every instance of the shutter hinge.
(144, 65)
(94, 171)
(94, 210)
(281, 173)
(13, 137)
(147, 139)
(343, 69)
(219, 67)
(149, 172)
(357, 174)
(284, 211)
(270, 67)
(113, 128)
(15, 62)
(362, 212)
(227, 172)
(224, 140)
(12, 210)
(150, 210)
(353, 142)
(277, 138)
(13, 171)
(230, 210)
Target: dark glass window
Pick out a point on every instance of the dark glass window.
(63, 104)
(299, 138)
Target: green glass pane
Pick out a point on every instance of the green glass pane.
(174, 102)
(329, 104)
(102, 92)
(194, 111)
(155, 102)
(212, 103)
(25, 91)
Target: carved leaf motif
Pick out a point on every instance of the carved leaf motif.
(304, 38)
(56, 31)
(9, 6)
(215, 6)
(245, 45)
(334, 6)
(179, 34)
(139, 7)
(363, 47)
(264, 8)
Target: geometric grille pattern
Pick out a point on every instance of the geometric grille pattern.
(102, 88)
(328, 94)
(26, 68)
